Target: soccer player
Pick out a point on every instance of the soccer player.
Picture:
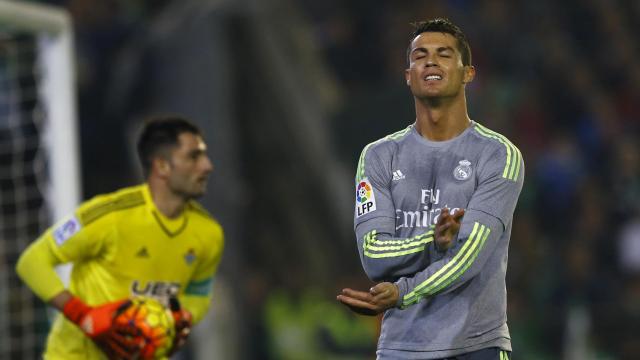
(152, 239)
(434, 208)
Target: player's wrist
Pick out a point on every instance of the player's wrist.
(94, 321)
(401, 286)
(75, 309)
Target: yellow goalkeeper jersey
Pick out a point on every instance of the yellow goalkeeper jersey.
(121, 245)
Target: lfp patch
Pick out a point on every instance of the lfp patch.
(68, 228)
(365, 199)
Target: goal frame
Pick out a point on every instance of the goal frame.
(55, 46)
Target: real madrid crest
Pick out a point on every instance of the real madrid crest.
(462, 171)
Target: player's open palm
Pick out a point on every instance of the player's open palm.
(379, 298)
(447, 228)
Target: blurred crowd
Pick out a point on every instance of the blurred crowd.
(560, 79)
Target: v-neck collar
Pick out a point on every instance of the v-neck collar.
(171, 227)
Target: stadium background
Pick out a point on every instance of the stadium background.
(288, 92)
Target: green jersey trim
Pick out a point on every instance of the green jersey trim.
(376, 249)
(394, 136)
(451, 270)
(199, 288)
(514, 157)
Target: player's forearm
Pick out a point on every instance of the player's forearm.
(477, 241)
(36, 267)
(386, 258)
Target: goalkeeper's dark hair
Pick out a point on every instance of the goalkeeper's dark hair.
(442, 25)
(159, 135)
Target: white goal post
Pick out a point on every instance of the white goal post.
(54, 27)
(39, 157)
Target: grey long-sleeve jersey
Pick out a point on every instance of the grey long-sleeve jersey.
(451, 302)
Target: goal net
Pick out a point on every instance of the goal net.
(39, 175)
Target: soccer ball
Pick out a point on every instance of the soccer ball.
(154, 324)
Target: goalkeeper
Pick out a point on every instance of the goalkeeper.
(152, 239)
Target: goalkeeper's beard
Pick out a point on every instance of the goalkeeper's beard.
(188, 187)
(193, 192)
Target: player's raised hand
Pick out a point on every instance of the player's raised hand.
(447, 228)
(379, 298)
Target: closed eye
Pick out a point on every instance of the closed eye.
(445, 52)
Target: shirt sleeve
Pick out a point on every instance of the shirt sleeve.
(36, 268)
(503, 171)
(198, 293)
(384, 257)
(66, 241)
(481, 232)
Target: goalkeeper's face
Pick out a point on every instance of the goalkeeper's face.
(190, 166)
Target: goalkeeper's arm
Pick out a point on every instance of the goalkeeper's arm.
(36, 268)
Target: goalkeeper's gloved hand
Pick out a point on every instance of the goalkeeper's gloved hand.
(121, 343)
(98, 324)
(182, 320)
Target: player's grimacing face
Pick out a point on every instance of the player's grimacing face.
(190, 166)
(435, 66)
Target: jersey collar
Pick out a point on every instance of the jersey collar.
(171, 227)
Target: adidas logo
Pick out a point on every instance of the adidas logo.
(142, 253)
(398, 175)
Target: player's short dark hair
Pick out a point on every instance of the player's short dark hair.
(159, 134)
(442, 25)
